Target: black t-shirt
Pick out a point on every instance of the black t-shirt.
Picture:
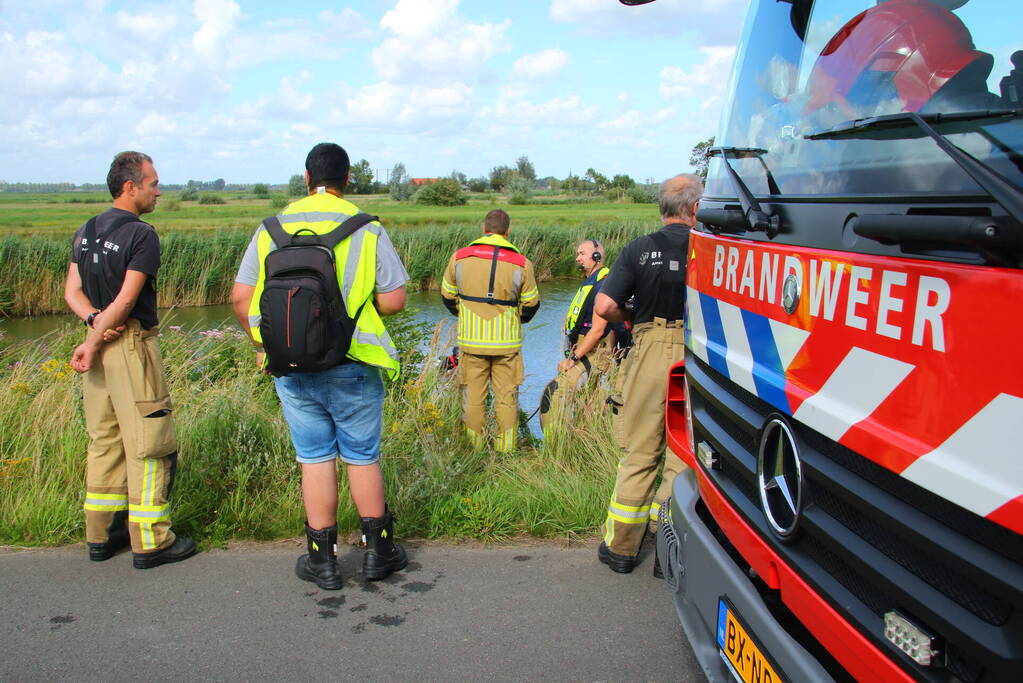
(638, 272)
(132, 246)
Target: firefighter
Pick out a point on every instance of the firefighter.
(133, 454)
(490, 286)
(651, 269)
(589, 338)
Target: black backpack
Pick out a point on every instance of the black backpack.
(304, 324)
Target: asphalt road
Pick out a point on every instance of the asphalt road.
(539, 612)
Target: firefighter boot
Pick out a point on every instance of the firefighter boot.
(383, 556)
(621, 564)
(319, 565)
(117, 538)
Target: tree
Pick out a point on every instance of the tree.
(459, 178)
(599, 180)
(189, 194)
(218, 184)
(501, 177)
(481, 184)
(622, 181)
(699, 159)
(524, 167)
(296, 186)
(399, 186)
(444, 192)
(573, 184)
(362, 178)
(261, 190)
(519, 190)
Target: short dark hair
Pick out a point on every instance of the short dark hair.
(125, 166)
(328, 165)
(497, 222)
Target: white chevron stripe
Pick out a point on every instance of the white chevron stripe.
(739, 357)
(697, 329)
(855, 389)
(979, 467)
(788, 340)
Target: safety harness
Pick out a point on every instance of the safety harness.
(495, 253)
(94, 269)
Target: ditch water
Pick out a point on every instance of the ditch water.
(541, 349)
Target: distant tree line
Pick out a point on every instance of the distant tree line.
(519, 181)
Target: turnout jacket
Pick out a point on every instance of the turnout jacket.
(492, 289)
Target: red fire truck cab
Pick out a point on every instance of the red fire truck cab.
(851, 401)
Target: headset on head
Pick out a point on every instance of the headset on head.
(596, 256)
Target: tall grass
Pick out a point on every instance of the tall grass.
(237, 478)
(199, 265)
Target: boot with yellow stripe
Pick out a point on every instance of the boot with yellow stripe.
(320, 564)
(383, 556)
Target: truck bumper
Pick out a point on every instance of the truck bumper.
(699, 572)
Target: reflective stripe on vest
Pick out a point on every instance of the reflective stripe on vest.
(579, 300)
(321, 213)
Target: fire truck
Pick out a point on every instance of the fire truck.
(851, 400)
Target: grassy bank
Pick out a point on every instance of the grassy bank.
(237, 477)
(199, 265)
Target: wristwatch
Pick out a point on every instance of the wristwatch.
(91, 318)
(574, 358)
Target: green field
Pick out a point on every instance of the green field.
(55, 213)
(203, 244)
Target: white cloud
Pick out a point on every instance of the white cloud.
(147, 27)
(347, 23)
(433, 43)
(396, 107)
(718, 21)
(217, 18)
(543, 64)
(634, 120)
(569, 110)
(704, 79)
(155, 124)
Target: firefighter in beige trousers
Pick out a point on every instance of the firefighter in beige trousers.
(651, 271)
(132, 454)
(491, 287)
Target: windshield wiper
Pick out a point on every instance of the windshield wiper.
(752, 217)
(992, 182)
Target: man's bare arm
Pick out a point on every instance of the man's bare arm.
(109, 319)
(389, 303)
(74, 295)
(241, 299)
(608, 309)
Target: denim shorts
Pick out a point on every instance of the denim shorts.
(336, 413)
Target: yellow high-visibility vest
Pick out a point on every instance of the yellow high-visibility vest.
(356, 259)
(579, 300)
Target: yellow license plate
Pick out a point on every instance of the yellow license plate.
(747, 661)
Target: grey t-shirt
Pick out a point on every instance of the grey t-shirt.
(390, 275)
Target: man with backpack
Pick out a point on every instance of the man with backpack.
(311, 290)
(652, 270)
(132, 453)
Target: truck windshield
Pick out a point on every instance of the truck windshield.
(806, 66)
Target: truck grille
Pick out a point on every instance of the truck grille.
(870, 541)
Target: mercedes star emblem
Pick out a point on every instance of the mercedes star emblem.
(780, 477)
(790, 294)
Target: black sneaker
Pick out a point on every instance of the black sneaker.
(98, 552)
(180, 549)
(622, 564)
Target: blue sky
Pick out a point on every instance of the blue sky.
(241, 90)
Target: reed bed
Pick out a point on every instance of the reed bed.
(237, 478)
(199, 265)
